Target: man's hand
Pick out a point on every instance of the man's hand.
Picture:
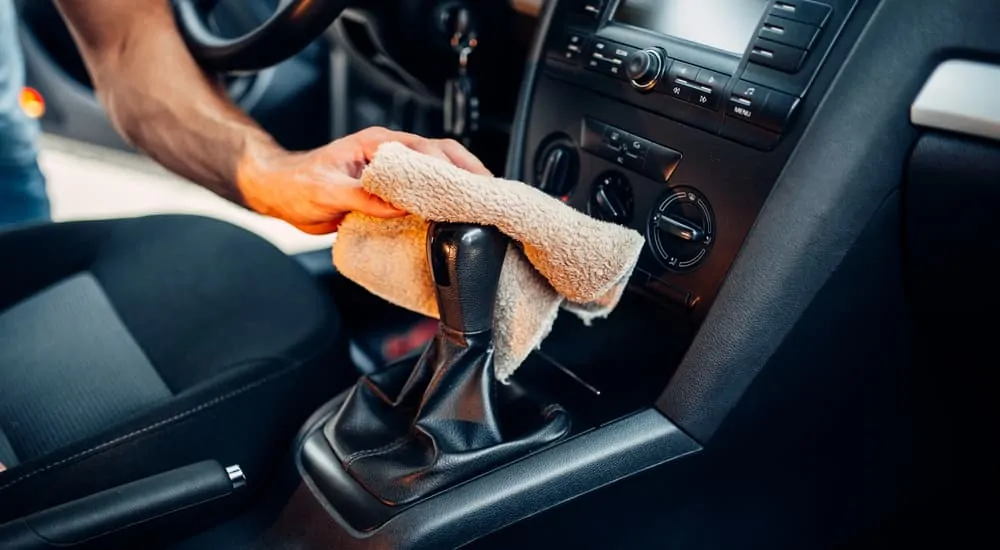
(315, 190)
(162, 103)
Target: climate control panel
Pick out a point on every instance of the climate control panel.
(611, 199)
(629, 151)
(681, 229)
(624, 178)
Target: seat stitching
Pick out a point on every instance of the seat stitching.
(156, 425)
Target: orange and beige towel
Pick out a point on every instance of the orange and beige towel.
(565, 259)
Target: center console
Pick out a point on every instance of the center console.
(674, 118)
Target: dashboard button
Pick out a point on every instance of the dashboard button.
(777, 111)
(661, 162)
(751, 91)
(606, 66)
(630, 151)
(614, 138)
(619, 51)
(680, 90)
(573, 48)
(747, 101)
(635, 153)
(682, 71)
(608, 58)
(777, 56)
(789, 33)
(633, 162)
(717, 82)
(637, 146)
(803, 11)
(590, 8)
(741, 109)
(702, 96)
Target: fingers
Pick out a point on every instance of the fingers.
(447, 150)
(321, 228)
(359, 200)
(427, 147)
(462, 157)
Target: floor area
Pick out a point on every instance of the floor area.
(90, 182)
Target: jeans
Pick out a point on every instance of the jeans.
(22, 185)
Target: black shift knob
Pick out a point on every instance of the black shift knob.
(466, 260)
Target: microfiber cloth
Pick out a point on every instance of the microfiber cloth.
(562, 259)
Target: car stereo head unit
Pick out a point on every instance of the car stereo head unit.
(738, 68)
(725, 25)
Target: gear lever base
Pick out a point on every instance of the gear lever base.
(444, 426)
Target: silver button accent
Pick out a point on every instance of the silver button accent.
(236, 476)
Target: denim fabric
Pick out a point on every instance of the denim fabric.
(22, 185)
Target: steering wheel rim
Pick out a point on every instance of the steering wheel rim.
(292, 27)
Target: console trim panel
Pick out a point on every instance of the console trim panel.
(513, 492)
(958, 97)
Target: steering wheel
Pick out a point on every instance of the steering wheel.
(294, 24)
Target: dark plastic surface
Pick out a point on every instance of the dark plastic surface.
(558, 169)
(952, 202)
(691, 101)
(831, 16)
(823, 198)
(115, 509)
(514, 492)
(952, 197)
(830, 440)
(707, 165)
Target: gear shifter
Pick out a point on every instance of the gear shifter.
(404, 435)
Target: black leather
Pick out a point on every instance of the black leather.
(119, 507)
(406, 437)
(466, 260)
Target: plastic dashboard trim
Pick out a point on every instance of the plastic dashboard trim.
(519, 490)
(850, 158)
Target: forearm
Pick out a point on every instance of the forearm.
(157, 96)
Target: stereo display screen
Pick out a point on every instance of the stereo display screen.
(725, 25)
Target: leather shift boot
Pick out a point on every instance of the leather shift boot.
(406, 437)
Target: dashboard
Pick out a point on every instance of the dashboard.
(675, 118)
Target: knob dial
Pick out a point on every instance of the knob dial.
(611, 199)
(681, 230)
(645, 68)
(557, 169)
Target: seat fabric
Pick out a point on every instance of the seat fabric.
(131, 347)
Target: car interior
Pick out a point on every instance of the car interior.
(798, 361)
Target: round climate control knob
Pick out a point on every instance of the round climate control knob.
(645, 68)
(557, 168)
(681, 229)
(611, 199)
